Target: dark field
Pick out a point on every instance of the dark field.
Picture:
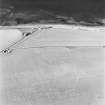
(85, 12)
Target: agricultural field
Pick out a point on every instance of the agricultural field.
(55, 66)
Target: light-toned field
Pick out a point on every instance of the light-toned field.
(53, 75)
(52, 35)
(9, 37)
